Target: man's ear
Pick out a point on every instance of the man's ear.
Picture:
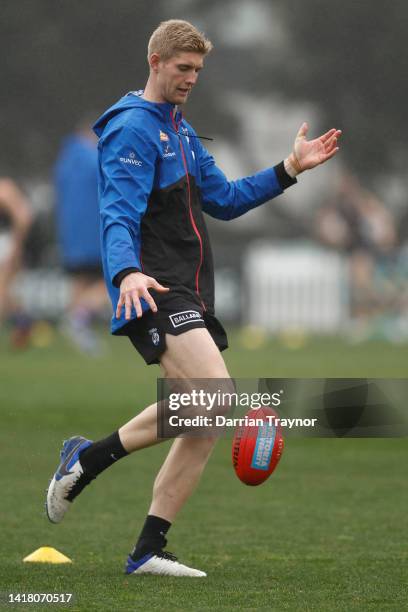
(154, 61)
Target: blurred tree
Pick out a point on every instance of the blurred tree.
(346, 56)
(64, 58)
(349, 56)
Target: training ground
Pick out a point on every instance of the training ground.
(328, 531)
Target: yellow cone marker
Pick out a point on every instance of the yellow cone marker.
(46, 554)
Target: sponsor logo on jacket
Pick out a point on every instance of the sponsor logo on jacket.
(131, 159)
(165, 141)
(167, 152)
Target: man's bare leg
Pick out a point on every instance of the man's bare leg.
(192, 355)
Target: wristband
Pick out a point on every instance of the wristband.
(122, 274)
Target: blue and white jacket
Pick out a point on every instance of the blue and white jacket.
(155, 182)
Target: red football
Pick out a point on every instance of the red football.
(257, 446)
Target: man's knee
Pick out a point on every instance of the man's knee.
(197, 449)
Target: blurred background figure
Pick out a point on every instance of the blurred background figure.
(355, 222)
(15, 222)
(77, 215)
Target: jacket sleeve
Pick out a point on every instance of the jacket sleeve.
(225, 199)
(126, 166)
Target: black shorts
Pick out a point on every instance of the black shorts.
(174, 317)
(91, 272)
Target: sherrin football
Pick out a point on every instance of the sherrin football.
(257, 446)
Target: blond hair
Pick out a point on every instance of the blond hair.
(175, 36)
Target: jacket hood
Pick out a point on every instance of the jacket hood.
(132, 100)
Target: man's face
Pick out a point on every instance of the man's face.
(177, 76)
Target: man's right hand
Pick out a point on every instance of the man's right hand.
(133, 287)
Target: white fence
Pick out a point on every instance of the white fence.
(295, 287)
(284, 287)
(42, 292)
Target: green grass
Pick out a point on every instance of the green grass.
(327, 532)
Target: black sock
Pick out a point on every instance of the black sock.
(102, 454)
(152, 537)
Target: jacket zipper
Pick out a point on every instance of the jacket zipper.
(193, 223)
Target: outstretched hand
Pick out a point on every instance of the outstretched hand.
(134, 287)
(310, 153)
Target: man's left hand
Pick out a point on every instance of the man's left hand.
(310, 153)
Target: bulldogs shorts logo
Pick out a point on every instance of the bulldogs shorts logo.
(154, 335)
(183, 318)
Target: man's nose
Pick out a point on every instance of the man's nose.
(192, 78)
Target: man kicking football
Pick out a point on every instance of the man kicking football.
(155, 182)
